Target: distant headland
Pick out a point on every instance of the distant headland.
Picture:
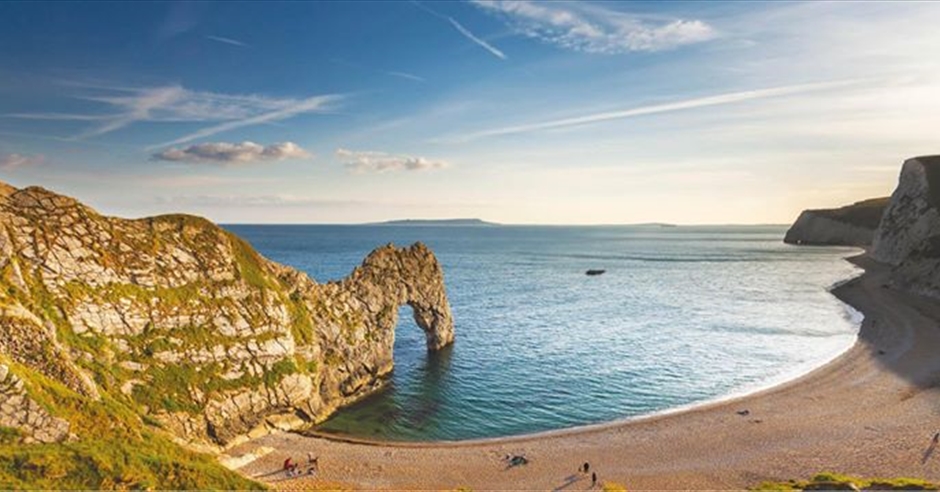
(436, 222)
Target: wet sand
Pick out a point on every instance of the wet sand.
(871, 412)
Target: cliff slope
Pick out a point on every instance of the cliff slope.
(852, 225)
(909, 235)
(173, 328)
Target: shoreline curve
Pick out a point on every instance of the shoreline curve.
(813, 419)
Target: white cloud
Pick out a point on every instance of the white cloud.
(220, 39)
(137, 107)
(483, 44)
(463, 31)
(595, 29)
(368, 161)
(310, 105)
(406, 75)
(8, 162)
(174, 103)
(228, 153)
(279, 200)
(56, 116)
(699, 102)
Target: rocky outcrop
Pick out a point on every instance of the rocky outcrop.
(909, 235)
(852, 225)
(20, 412)
(187, 324)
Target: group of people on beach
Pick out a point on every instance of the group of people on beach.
(292, 469)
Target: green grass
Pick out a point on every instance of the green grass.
(9, 435)
(278, 371)
(836, 479)
(114, 444)
(866, 213)
(147, 463)
(113, 448)
(301, 326)
(171, 388)
(249, 263)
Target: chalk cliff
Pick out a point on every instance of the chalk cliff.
(902, 230)
(182, 323)
(909, 235)
(852, 225)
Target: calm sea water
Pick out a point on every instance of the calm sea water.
(683, 315)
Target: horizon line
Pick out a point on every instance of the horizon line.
(485, 223)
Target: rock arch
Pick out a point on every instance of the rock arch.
(391, 277)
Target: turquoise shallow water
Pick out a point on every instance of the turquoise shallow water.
(683, 315)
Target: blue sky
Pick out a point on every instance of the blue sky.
(517, 112)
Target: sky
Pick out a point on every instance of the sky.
(513, 112)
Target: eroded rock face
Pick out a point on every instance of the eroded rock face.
(20, 412)
(909, 235)
(187, 323)
(911, 217)
(852, 225)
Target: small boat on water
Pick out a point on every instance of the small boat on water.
(595, 272)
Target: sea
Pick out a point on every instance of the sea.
(681, 316)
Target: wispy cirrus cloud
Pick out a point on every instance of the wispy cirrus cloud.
(137, 107)
(233, 153)
(405, 75)
(126, 106)
(56, 116)
(310, 105)
(464, 31)
(220, 39)
(392, 73)
(681, 105)
(483, 44)
(596, 29)
(278, 200)
(9, 162)
(369, 161)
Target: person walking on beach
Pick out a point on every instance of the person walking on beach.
(585, 467)
(593, 480)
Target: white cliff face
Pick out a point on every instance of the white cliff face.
(910, 219)
(909, 235)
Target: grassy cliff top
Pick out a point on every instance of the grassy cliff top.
(866, 213)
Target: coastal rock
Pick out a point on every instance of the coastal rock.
(912, 216)
(909, 235)
(190, 326)
(20, 412)
(852, 225)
